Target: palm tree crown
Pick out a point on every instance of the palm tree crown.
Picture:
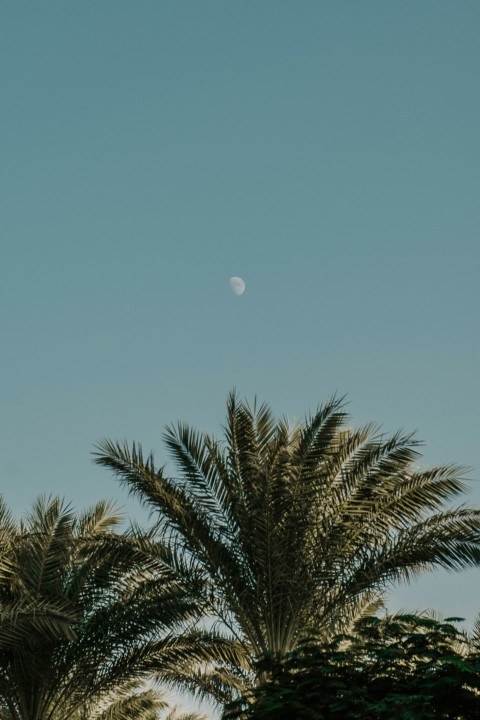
(86, 615)
(294, 527)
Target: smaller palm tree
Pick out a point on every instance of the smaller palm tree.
(86, 614)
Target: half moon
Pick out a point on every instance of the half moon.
(237, 285)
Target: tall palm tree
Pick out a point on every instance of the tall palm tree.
(295, 527)
(99, 612)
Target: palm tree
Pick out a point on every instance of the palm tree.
(297, 527)
(87, 614)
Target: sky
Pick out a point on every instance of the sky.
(326, 152)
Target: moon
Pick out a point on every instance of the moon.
(237, 285)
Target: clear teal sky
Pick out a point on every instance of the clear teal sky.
(325, 151)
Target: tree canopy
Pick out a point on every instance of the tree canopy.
(87, 614)
(405, 667)
(294, 527)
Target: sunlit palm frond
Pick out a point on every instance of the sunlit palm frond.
(176, 714)
(145, 705)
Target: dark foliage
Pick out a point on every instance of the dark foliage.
(405, 667)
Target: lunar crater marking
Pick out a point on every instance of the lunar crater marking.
(237, 285)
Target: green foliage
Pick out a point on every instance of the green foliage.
(86, 614)
(405, 667)
(294, 527)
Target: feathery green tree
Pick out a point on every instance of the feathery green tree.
(407, 667)
(86, 614)
(294, 527)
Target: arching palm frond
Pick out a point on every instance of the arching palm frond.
(146, 705)
(176, 714)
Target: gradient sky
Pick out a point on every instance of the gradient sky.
(327, 152)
